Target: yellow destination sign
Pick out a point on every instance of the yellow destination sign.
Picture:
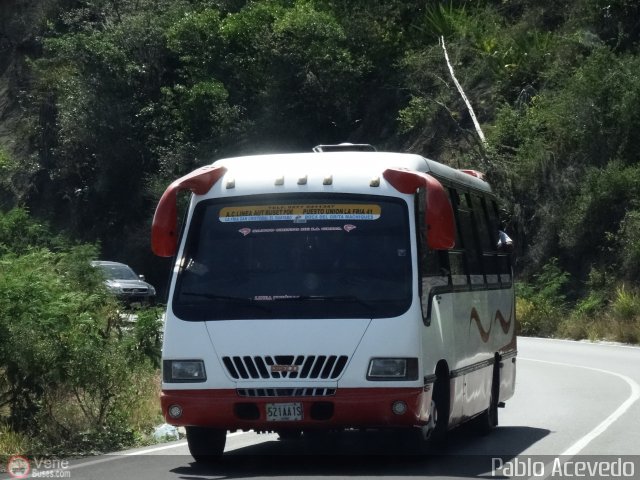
(266, 213)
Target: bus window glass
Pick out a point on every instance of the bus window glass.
(492, 217)
(471, 247)
(504, 267)
(488, 230)
(455, 203)
(302, 256)
(486, 237)
(457, 265)
(435, 273)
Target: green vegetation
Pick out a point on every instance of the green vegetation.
(104, 102)
(608, 311)
(76, 374)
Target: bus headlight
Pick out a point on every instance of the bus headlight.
(381, 369)
(181, 371)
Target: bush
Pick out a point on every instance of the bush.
(606, 313)
(12, 443)
(540, 305)
(626, 305)
(77, 375)
(537, 316)
(629, 244)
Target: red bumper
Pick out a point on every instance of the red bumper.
(348, 408)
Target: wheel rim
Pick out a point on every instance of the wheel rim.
(430, 427)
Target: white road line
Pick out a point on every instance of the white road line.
(116, 456)
(586, 342)
(607, 422)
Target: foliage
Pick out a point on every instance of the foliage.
(628, 243)
(19, 232)
(599, 207)
(626, 305)
(72, 363)
(12, 443)
(606, 312)
(541, 304)
(614, 320)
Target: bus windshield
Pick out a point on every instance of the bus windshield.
(295, 256)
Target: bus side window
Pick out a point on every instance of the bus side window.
(487, 232)
(457, 261)
(486, 238)
(469, 240)
(502, 259)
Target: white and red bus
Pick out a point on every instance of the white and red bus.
(344, 288)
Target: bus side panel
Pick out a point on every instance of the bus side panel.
(457, 400)
(506, 327)
(477, 386)
(476, 329)
(507, 378)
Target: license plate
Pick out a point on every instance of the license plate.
(282, 412)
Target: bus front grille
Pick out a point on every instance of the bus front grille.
(285, 366)
(286, 392)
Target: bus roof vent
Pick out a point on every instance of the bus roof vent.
(345, 147)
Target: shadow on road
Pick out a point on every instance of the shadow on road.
(370, 454)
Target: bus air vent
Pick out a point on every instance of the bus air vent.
(345, 147)
(285, 366)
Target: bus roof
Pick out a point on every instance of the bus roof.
(353, 164)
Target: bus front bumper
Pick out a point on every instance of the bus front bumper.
(347, 408)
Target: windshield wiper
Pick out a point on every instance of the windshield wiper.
(328, 298)
(243, 300)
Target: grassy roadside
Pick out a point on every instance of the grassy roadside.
(142, 415)
(608, 311)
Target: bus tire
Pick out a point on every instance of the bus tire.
(434, 435)
(441, 400)
(206, 444)
(488, 420)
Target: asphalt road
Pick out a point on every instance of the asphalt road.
(576, 411)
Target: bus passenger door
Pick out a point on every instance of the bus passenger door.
(440, 340)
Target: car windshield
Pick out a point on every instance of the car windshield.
(118, 272)
(329, 256)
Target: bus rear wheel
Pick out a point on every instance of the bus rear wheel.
(206, 444)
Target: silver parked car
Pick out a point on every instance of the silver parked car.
(124, 283)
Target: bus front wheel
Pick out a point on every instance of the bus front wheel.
(433, 435)
(206, 444)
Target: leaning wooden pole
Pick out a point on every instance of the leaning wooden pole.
(462, 94)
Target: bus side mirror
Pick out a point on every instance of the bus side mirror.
(164, 235)
(438, 211)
